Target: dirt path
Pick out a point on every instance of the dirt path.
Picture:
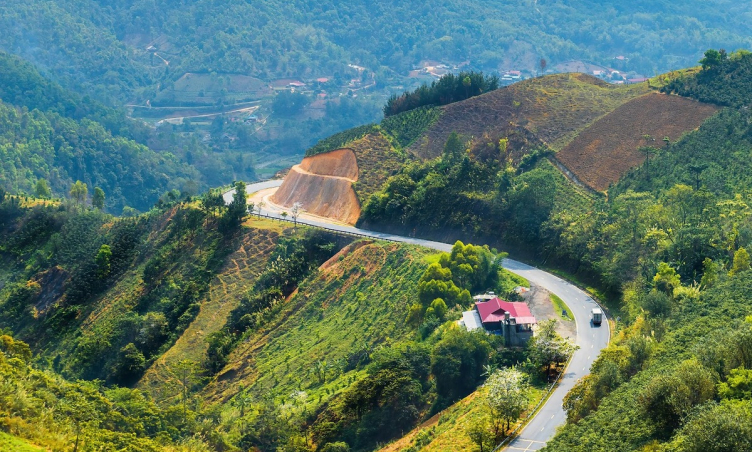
(179, 119)
(539, 301)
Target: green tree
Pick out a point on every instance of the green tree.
(670, 396)
(741, 262)
(712, 59)
(506, 397)
(339, 446)
(479, 433)
(102, 260)
(42, 189)
(666, 279)
(457, 363)
(738, 385)
(725, 427)
(212, 201)
(439, 308)
(547, 347)
(78, 193)
(454, 149)
(97, 199)
(185, 371)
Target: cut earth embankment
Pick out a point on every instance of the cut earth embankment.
(322, 184)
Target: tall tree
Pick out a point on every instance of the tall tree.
(78, 192)
(97, 199)
(506, 397)
(42, 189)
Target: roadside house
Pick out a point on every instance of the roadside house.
(512, 320)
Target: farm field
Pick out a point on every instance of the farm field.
(601, 154)
(205, 89)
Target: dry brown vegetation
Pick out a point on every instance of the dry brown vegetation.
(548, 110)
(601, 154)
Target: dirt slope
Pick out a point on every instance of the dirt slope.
(606, 150)
(323, 185)
(338, 163)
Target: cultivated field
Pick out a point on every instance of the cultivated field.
(236, 278)
(601, 154)
(356, 301)
(377, 161)
(549, 110)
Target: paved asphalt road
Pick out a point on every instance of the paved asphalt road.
(590, 339)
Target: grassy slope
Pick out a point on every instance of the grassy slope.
(377, 161)
(355, 302)
(12, 444)
(446, 431)
(226, 289)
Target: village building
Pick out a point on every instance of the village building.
(511, 320)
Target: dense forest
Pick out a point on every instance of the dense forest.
(104, 46)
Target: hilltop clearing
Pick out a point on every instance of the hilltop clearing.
(602, 153)
(545, 111)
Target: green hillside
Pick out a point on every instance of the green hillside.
(263, 334)
(109, 47)
(55, 136)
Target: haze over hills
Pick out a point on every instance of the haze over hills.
(200, 325)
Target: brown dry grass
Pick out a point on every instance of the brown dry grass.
(601, 154)
(552, 109)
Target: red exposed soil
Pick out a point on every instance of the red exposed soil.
(323, 185)
(339, 163)
(601, 154)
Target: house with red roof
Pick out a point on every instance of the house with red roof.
(512, 320)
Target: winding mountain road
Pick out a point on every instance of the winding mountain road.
(590, 339)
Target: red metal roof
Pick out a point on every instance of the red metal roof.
(493, 311)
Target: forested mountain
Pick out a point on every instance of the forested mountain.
(52, 135)
(108, 47)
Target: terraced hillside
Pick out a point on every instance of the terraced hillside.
(553, 109)
(225, 291)
(357, 300)
(601, 154)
